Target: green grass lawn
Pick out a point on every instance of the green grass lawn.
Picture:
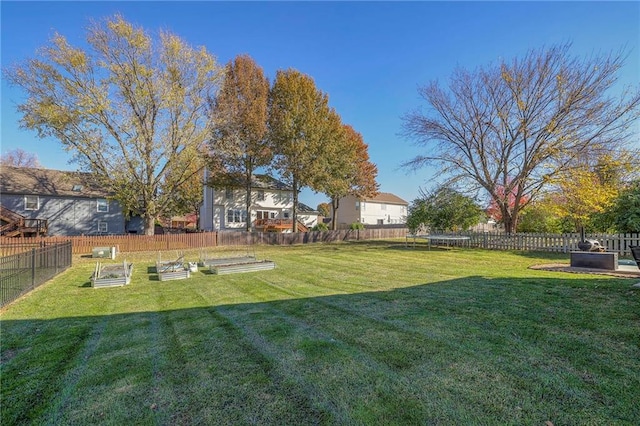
(357, 333)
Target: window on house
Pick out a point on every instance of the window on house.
(31, 202)
(383, 206)
(103, 227)
(286, 215)
(228, 194)
(77, 188)
(236, 216)
(260, 195)
(357, 205)
(265, 214)
(103, 205)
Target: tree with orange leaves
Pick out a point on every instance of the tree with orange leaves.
(240, 112)
(347, 169)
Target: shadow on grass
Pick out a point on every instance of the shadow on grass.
(469, 350)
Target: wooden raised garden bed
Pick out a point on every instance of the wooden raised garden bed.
(113, 275)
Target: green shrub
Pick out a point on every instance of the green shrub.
(356, 226)
(320, 227)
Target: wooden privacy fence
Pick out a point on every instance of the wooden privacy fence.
(234, 238)
(561, 243)
(131, 243)
(126, 243)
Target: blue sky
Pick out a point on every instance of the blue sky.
(369, 57)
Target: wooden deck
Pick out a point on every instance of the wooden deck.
(13, 224)
(278, 225)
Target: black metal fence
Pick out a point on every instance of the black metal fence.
(22, 272)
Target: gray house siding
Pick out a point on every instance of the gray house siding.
(70, 216)
(134, 225)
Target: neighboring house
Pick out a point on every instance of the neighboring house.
(383, 209)
(271, 208)
(63, 202)
(307, 215)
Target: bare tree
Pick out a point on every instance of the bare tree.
(19, 158)
(130, 108)
(511, 127)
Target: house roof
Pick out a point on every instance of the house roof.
(31, 181)
(303, 208)
(388, 198)
(268, 182)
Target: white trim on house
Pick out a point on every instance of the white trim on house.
(31, 202)
(102, 205)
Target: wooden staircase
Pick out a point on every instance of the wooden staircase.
(13, 224)
(302, 227)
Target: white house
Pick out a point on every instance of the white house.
(271, 208)
(383, 209)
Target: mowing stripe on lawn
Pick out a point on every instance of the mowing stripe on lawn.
(336, 334)
(331, 356)
(74, 374)
(386, 356)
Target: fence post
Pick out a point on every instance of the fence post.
(33, 267)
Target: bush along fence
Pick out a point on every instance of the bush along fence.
(23, 272)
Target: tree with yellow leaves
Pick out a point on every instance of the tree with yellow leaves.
(301, 124)
(130, 107)
(590, 188)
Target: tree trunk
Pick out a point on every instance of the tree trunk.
(197, 210)
(149, 224)
(248, 201)
(294, 214)
(335, 203)
(507, 219)
(510, 222)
